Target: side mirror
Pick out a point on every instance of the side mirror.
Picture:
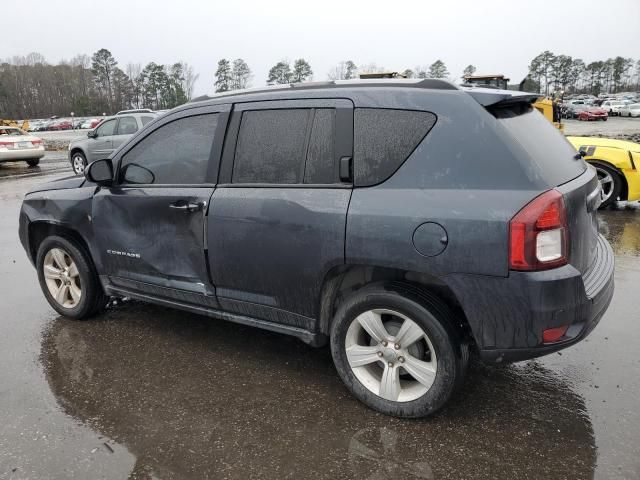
(137, 174)
(92, 134)
(100, 172)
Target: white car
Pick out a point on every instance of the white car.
(16, 145)
(612, 107)
(632, 110)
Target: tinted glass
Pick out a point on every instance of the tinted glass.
(127, 126)
(176, 153)
(383, 139)
(106, 129)
(146, 120)
(547, 147)
(271, 146)
(320, 167)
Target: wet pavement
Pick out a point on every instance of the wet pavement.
(52, 162)
(146, 392)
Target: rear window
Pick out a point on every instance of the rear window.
(548, 148)
(383, 139)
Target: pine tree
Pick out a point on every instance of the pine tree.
(224, 76)
(301, 71)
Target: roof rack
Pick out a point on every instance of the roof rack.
(427, 83)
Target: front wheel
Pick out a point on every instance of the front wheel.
(68, 279)
(78, 163)
(33, 162)
(397, 354)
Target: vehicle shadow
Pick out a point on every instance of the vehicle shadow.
(194, 397)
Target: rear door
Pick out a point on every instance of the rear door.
(277, 218)
(150, 226)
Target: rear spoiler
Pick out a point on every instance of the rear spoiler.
(488, 97)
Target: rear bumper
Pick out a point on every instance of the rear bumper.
(23, 154)
(508, 315)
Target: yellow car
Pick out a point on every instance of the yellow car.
(617, 163)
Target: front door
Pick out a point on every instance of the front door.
(101, 145)
(150, 226)
(277, 219)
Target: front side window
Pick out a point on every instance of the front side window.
(176, 153)
(106, 129)
(127, 126)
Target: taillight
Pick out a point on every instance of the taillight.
(538, 234)
(36, 142)
(6, 144)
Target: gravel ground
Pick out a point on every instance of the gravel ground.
(614, 127)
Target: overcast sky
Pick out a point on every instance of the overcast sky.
(497, 36)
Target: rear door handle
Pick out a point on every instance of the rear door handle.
(187, 207)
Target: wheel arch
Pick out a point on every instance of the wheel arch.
(39, 230)
(344, 280)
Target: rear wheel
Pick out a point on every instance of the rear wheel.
(78, 163)
(610, 182)
(33, 162)
(68, 279)
(397, 354)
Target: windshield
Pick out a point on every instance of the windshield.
(547, 147)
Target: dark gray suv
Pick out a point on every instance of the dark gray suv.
(405, 223)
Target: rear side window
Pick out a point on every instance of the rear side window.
(383, 139)
(547, 147)
(176, 153)
(287, 146)
(127, 126)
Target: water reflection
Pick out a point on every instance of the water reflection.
(191, 397)
(621, 226)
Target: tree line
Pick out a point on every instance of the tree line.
(550, 73)
(30, 87)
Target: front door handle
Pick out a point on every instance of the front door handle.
(187, 207)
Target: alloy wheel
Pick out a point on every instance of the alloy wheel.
(606, 183)
(391, 355)
(62, 278)
(78, 164)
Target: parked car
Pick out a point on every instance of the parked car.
(612, 107)
(574, 108)
(401, 222)
(631, 110)
(593, 113)
(90, 123)
(60, 124)
(103, 140)
(616, 163)
(16, 145)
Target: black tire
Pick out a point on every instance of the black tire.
(33, 162)
(616, 186)
(78, 163)
(436, 321)
(93, 298)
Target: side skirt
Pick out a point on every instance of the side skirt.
(313, 339)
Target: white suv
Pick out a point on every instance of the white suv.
(612, 107)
